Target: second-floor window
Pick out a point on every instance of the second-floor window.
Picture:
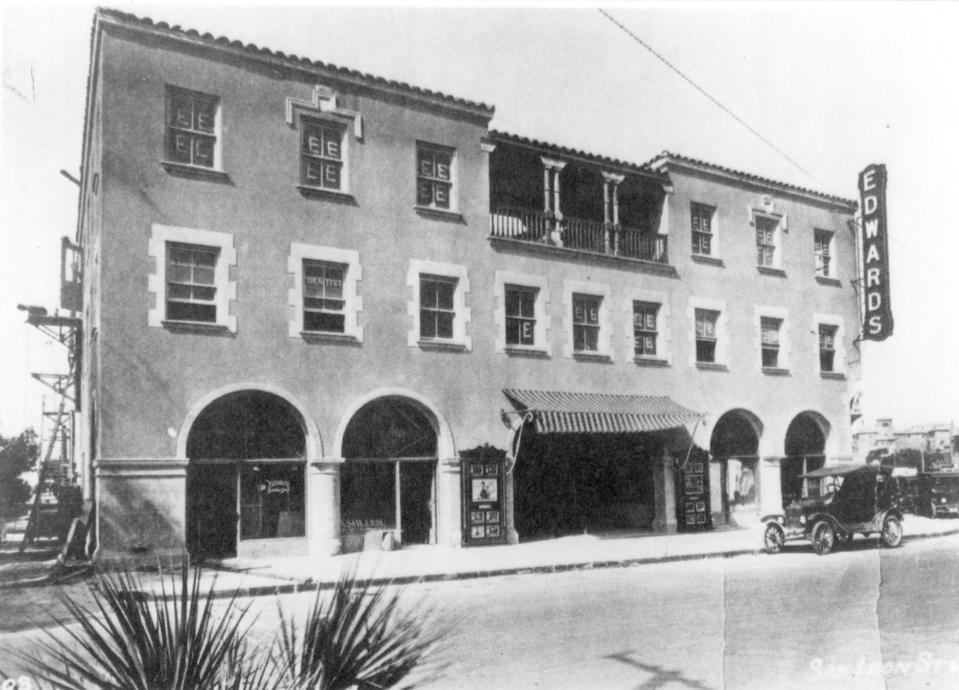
(702, 228)
(321, 155)
(520, 315)
(191, 282)
(586, 322)
(437, 310)
(191, 128)
(323, 299)
(770, 341)
(827, 348)
(644, 328)
(766, 230)
(706, 320)
(434, 177)
(823, 251)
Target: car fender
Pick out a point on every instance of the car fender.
(894, 512)
(778, 518)
(823, 517)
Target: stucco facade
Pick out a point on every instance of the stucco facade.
(150, 381)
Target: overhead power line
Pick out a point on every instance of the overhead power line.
(711, 98)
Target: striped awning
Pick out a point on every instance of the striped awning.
(600, 413)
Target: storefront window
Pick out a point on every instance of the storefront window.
(369, 496)
(741, 484)
(271, 500)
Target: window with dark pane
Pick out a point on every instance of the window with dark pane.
(323, 300)
(822, 243)
(586, 322)
(520, 315)
(434, 176)
(702, 228)
(190, 282)
(770, 341)
(766, 241)
(191, 127)
(706, 335)
(321, 155)
(272, 500)
(436, 306)
(827, 348)
(644, 327)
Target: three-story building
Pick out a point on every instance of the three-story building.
(314, 299)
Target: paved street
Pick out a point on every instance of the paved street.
(795, 620)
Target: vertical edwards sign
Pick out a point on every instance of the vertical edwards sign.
(877, 315)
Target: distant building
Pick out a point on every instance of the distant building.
(931, 440)
(320, 306)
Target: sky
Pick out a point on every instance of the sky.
(833, 86)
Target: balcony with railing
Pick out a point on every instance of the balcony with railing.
(596, 237)
(545, 197)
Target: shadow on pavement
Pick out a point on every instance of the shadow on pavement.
(660, 676)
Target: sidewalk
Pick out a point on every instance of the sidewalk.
(435, 563)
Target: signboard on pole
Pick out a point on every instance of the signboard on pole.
(877, 311)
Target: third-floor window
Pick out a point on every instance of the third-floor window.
(191, 128)
(434, 177)
(321, 156)
(702, 228)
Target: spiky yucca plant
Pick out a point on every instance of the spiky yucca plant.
(171, 641)
(356, 636)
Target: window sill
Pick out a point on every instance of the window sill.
(651, 361)
(711, 366)
(440, 214)
(329, 338)
(831, 282)
(196, 327)
(582, 356)
(833, 375)
(442, 345)
(195, 172)
(517, 351)
(707, 259)
(770, 271)
(326, 194)
(776, 371)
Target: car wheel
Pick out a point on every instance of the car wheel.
(891, 535)
(773, 538)
(823, 538)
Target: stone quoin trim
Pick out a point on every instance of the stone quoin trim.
(663, 326)
(540, 283)
(417, 270)
(354, 274)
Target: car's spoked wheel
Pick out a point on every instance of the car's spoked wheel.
(891, 532)
(773, 538)
(823, 538)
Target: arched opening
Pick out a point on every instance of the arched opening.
(734, 469)
(388, 482)
(246, 477)
(805, 451)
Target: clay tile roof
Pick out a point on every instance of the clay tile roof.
(765, 181)
(645, 168)
(253, 49)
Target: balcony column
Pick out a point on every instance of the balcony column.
(611, 182)
(551, 196)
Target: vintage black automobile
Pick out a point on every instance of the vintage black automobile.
(938, 494)
(843, 501)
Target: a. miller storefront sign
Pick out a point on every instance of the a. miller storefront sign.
(877, 311)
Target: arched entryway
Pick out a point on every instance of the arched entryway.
(246, 476)
(388, 479)
(805, 451)
(734, 468)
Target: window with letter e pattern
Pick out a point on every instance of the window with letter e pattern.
(437, 310)
(586, 322)
(434, 176)
(323, 298)
(706, 321)
(827, 348)
(191, 137)
(766, 241)
(769, 329)
(644, 328)
(191, 282)
(520, 315)
(702, 228)
(823, 253)
(321, 155)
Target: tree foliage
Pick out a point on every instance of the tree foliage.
(18, 454)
